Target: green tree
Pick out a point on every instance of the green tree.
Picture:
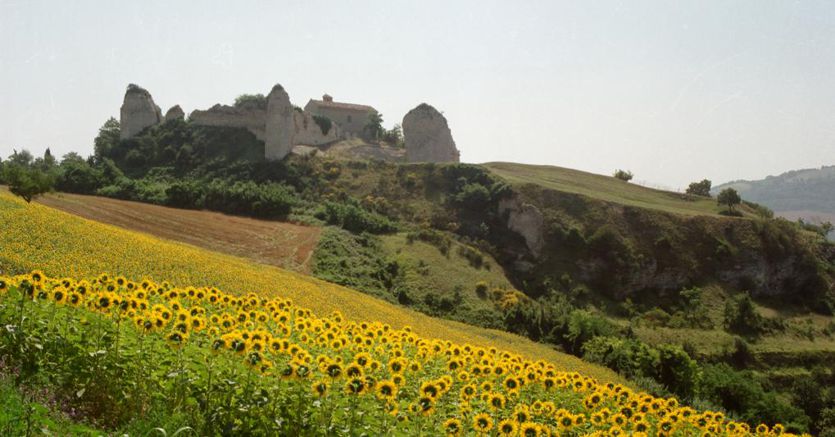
(624, 175)
(741, 316)
(729, 197)
(374, 128)
(26, 180)
(700, 188)
(107, 139)
(251, 100)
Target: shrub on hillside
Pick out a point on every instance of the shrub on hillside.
(354, 218)
(248, 198)
(740, 392)
(700, 188)
(741, 317)
(624, 175)
(583, 326)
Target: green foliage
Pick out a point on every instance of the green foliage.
(741, 317)
(248, 198)
(729, 197)
(699, 188)
(742, 393)
(394, 136)
(107, 139)
(356, 261)
(623, 175)
(472, 195)
(677, 370)
(669, 365)
(26, 178)
(324, 123)
(428, 235)
(258, 101)
(354, 218)
(630, 357)
(583, 326)
(374, 128)
(76, 175)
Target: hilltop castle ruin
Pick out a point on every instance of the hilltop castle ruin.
(282, 126)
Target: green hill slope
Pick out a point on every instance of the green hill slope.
(604, 188)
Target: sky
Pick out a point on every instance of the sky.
(674, 91)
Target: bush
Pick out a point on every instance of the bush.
(623, 175)
(741, 317)
(699, 188)
(481, 289)
(185, 193)
(741, 393)
(324, 123)
(582, 327)
(251, 101)
(354, 218)
(76, 175)
(248, 198)
(677, 370)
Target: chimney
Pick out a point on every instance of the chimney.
(327, 98)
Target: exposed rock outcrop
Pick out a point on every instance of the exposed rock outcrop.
(427, 136)
(138, 111)
(174, 113)
(279, 127)
(526, 220)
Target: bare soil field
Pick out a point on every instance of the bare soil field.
(280, 244)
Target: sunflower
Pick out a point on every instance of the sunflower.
(320, 388)
(529, 429)
(355, 386)
(429, 389)
(176, 339)
(59, 295)
(762, 429)
(641, 426)
(566, 421)
(482, 423)
(354, 371)
(507, 428)
(452, 427)
(497, 401)
(386, 390)
(426, 406)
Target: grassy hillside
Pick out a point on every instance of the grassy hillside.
(60, 244)
(602, 187)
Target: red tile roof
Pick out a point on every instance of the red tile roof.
(340, 105)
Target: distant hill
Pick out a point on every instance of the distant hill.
(809, 190)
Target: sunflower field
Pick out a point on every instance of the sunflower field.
(114, 350)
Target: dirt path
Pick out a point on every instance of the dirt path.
(281, 244)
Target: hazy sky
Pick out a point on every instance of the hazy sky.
(674, 91)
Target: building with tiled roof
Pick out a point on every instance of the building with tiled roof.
(351, 117)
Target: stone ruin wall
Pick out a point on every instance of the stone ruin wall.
(251, 119)
(281, 126)
(308, 132)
